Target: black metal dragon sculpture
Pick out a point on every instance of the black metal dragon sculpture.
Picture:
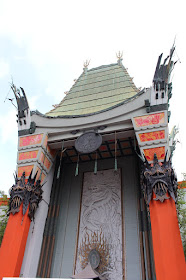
(158, 178)
(163, 71)
(29, 193)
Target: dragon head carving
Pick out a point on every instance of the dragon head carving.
(158, 178)
(24, 191)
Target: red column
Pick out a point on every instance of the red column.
(168, 250)
(13, 244)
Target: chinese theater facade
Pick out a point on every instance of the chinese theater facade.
(95, 191)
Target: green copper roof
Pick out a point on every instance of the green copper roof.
(96, 90)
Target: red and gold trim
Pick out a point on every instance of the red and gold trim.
(34, 153)
(149, 120)
(151, 136)
(38, 170)
(28, 155)
(32, 140)
(45, 161)
(159, 151)
(27, 169)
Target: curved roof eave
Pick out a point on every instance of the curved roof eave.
(94, 113)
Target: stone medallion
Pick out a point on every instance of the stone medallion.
(88, 142)
(94, 258)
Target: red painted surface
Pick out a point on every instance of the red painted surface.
(27, 169)
(13, 245)
(159, 151)
(51, 152)
(30, 140)
(45, 141)
(45, 161)
(182, 185)
(168, 250)
(28, 155)
(4, 202)
(150, 119)
(38, 170)
(150, 136)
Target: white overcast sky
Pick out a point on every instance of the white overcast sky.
(43, 45)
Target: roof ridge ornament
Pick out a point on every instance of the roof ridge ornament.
(119, 56)
(86, 64)
(163, 71)
(22, 103)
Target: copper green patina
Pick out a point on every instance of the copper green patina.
(97, 90)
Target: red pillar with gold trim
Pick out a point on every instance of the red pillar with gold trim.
(168, 250)
(34, 158)
(25, 196)
(159, 185)
(13, 244)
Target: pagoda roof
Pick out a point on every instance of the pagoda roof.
(96, 90)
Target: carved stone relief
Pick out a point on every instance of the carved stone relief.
(100, 226)
(88, 142)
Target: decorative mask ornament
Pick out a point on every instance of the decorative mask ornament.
(158, 178)
(29, 193)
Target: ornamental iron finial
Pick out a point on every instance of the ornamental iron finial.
(158, 178)
(86, 64)
(28, 192)
(119, 56)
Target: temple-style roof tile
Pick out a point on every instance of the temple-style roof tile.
(97, 90)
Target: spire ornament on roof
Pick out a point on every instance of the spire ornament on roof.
(22, 102)
(86, 64)
(119, 56)
(25, 125)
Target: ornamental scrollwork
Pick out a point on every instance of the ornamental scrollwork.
(160, 179)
